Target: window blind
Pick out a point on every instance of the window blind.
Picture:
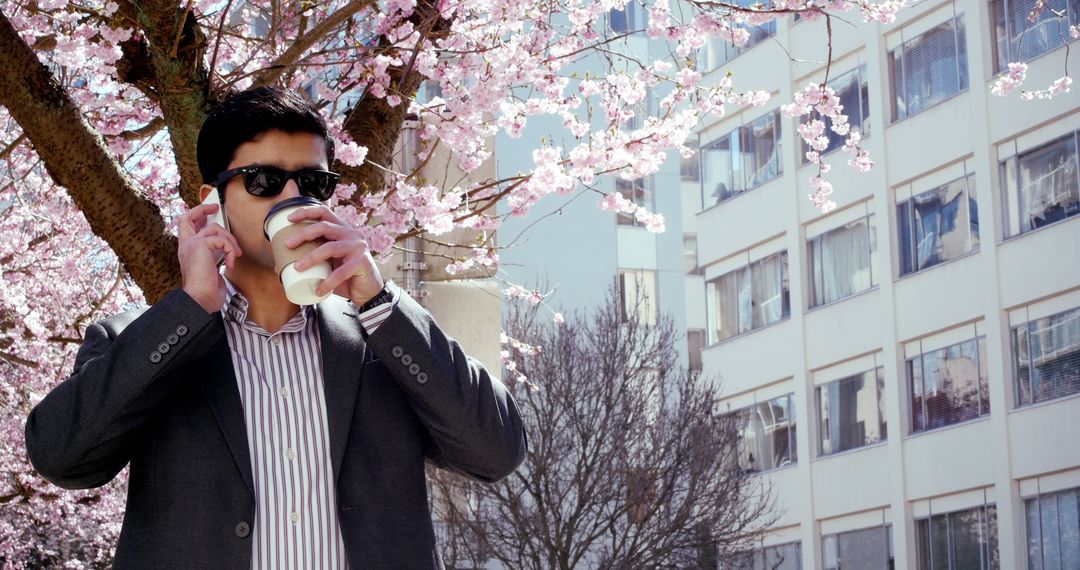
(929, 68)
(1046, 360)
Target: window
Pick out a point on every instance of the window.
(948, 385)
(690, 254)
(780, 557)
(695, 340)
(928, 69)
(854, 95)
(639, 192)
(766, 435)
(690, 166)
(866, 549)
(842, 260)
(718, 52)
(1053, 530)
(637, 290)
(851, 412)
(937, 225)
(963, 539)
(748, 298)
(628, 20)
(1047, 357)
(741, 160)
(1042, 186)
(1018, 39)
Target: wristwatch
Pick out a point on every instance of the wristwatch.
(383, 296)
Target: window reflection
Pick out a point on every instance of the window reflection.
(850, 412)
(937, 225)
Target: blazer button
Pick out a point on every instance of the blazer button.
(163, 347)
(172, 339)
(397, 351)
(243, 529)
(406, 359)
(181, 330)
(155, 357)
(414, 369)
(421, 378)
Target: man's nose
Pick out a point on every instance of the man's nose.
(291, 190)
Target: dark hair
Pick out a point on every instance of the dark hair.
(244, 116)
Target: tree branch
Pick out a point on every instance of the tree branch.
(291, 55)
(180, 83)
(76, 157)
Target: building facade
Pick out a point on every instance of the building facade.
(906, 368)
(568, 246)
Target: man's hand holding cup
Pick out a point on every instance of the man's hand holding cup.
(354, 274)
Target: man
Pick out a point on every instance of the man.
(262, 434)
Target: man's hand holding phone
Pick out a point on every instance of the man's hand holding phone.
(203, 244)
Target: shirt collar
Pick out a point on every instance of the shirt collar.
(236, 309)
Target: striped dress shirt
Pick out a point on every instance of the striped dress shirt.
(280, 378)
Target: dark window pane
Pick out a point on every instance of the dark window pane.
(850, 413)
(1049, 189)
(932, 68)
(936, 226)
(1048, 357)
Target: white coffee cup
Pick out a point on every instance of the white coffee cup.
(299, 285)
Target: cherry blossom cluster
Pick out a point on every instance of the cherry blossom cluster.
(522, 349)
(501, 65)
(818, 102)
(481, 257)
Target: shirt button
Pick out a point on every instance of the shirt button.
(284, 392)
(291, 454)
(295, 517)
(276, 340)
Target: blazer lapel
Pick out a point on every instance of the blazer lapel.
(344, 353)
(224, 398)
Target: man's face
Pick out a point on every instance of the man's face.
(288, 151)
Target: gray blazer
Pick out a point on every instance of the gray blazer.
(155, 388)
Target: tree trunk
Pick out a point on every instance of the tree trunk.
(76, 157)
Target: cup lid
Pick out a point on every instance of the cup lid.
(294, 202)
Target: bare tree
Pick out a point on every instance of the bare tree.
(630, 464)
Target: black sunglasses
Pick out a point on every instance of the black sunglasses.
(267, 181)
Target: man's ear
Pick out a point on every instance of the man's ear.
(204, 190)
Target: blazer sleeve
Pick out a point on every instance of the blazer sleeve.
(82, 433)
(473, 421)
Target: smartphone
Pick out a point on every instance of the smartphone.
(217, 217)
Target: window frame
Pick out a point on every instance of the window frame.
(963, 70)
(734, 139)
(981, 348)
(882, 425)
(812, 260)
(985, 529)
(792, 458)
(1009, 187)
(864, 132)
(711, 291)
(1018, 399)
(999, 10)
(652, 302)
(974, 241)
